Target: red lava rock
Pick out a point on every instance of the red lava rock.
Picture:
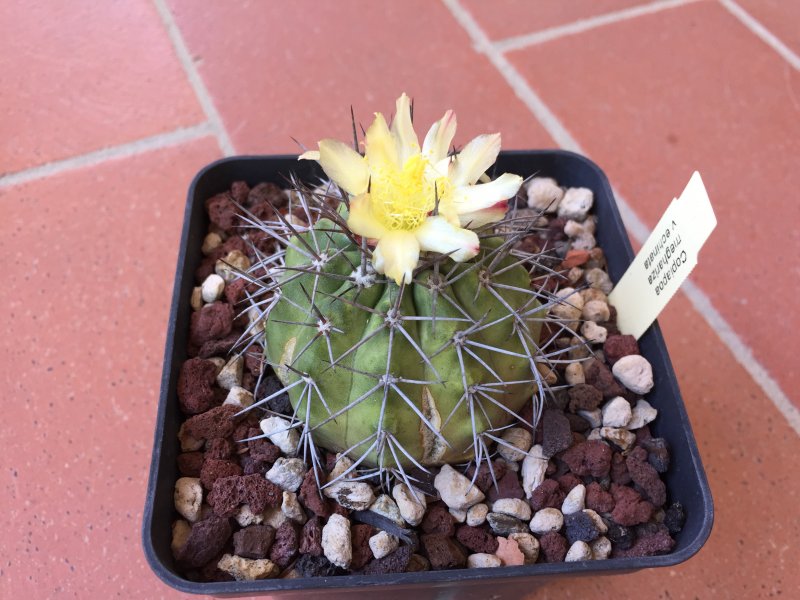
(656, 542)
(222, 211)
(311, 537)
(598, 499)
(438, 520)
(252, 465)
(575, 258)
(262, 448)
(577, 423)
(219, 448)
(220, 347)
(568, 481)
(646, 477)
(589, 458)
(259, 492)
(530, 243)
(396, 562)
(311, 498)
(547, 495)
(484, 480)
(442, 552)
(630, 508)
(214, 468)
(285, 546)
(553, 547)
(359, 538)
(507, 487)
(212, 322)
(224, 496)
(254, 362)
(338, 509)
(239, 191)
(617, 346)
(619, 470)
(599, 376)
(190, 463)
(266, 193)
(556, 432)
(642, 434)
(205, 268)
(234, 291)
(195, 386)
(584, 397)
(215, 423)
(254, 541)
(476, 539)
(206, 540)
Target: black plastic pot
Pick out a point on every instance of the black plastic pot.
(686, 480)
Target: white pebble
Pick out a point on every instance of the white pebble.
(594, 417)
(584, 241)
(481, 560)
(212, 288)
(597, 520)
(386, 507)
(616, 412)
(459, 515)
(188, 443)
(544, 194)
(287, 473)
(247, 569)
(597, 278)
(231, 373)
(576, 204)
(281, 433)
(355, 495)
(245, 516)
(411, 505)
(476, 515)
(520, 439)
(382, 544)
(229, 266)
(239, 397)
(594, 434)
(642, 414)
(291, 508)
(342, 465)
(575, 500)
(456, 490)
(601, 548)
(513, 507)
(569, 308)
(180, 533)
(574, 374)
(547, 519)
(274, 517)
(596, 310)
(528, 545)
(211, 242)
(575, 228)
(634, 372)
(594, 333)
(533, 470)
(196, 301)
(578, 551)
(618, 436)
(188, 498)
(336, 544)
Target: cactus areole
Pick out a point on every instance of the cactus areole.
(398, 309)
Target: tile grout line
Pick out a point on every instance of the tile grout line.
(200, 90)
(762, 32)
(699, 300)
(524, 40)
(148, 144)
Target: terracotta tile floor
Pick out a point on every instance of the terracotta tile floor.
(108, 109)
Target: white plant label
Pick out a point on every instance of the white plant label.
(665, 260)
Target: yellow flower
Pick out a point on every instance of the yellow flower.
(411, 199)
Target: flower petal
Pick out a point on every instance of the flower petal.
(437, 235)
(475, 158)
(362, 221)
(472, 198)
(478, 218)
(440, 136)
(379, 147)
(309, 155)
(405, 138)
(396, 255)
(344, 166)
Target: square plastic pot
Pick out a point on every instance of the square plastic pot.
(686, 479)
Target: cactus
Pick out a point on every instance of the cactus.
(413, 369)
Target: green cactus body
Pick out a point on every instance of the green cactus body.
(464, 330)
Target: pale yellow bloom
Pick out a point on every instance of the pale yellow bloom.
(395, 186)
